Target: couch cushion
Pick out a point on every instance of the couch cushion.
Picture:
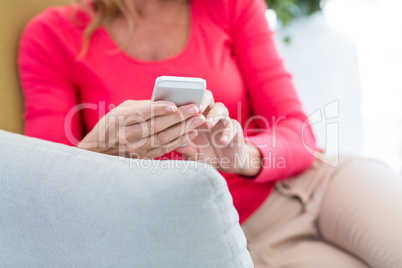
(66, 207)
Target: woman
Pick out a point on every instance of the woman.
(88, 70)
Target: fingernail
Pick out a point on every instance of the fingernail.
(201, 107)
(171, 108)
(192, 134)
(184, 145)
(225, 138)
(192, 110)
(212, 121)
(208, 123)
(199, 120)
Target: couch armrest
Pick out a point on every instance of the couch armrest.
(62, 206)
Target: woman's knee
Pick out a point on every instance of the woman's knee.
(362, 210)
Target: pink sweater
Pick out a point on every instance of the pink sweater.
(230, 45)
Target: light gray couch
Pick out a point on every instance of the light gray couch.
(65, 207)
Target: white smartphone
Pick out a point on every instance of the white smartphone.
(179, 90)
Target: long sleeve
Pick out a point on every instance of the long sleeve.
(230, 46)
(46, 78)
(284, 138)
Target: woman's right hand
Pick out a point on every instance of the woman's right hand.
(144, 129)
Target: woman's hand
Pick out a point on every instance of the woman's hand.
(144, 129)
(220, 142)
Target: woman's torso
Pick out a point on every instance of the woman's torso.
(106, 77)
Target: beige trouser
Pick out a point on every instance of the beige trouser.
(347, 216)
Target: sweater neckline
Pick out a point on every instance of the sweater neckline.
(117, 50)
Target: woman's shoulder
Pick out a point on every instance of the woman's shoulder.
(73, 15)
(228, 11)
(67, 21)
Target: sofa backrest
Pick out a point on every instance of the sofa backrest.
(61, 206)
(14, 14)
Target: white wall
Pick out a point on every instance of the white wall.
(326, 74)
(376, 28)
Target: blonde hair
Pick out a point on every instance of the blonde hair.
(104, 12)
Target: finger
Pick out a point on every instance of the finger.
(207, 101)
(133, 112)
(229, 132)
(160, 123)
(177, 143)
(217, 113)
(168, 135)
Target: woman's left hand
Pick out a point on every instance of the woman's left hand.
(220, 142)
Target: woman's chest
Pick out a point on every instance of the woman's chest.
(109, 78)
(156, 36)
